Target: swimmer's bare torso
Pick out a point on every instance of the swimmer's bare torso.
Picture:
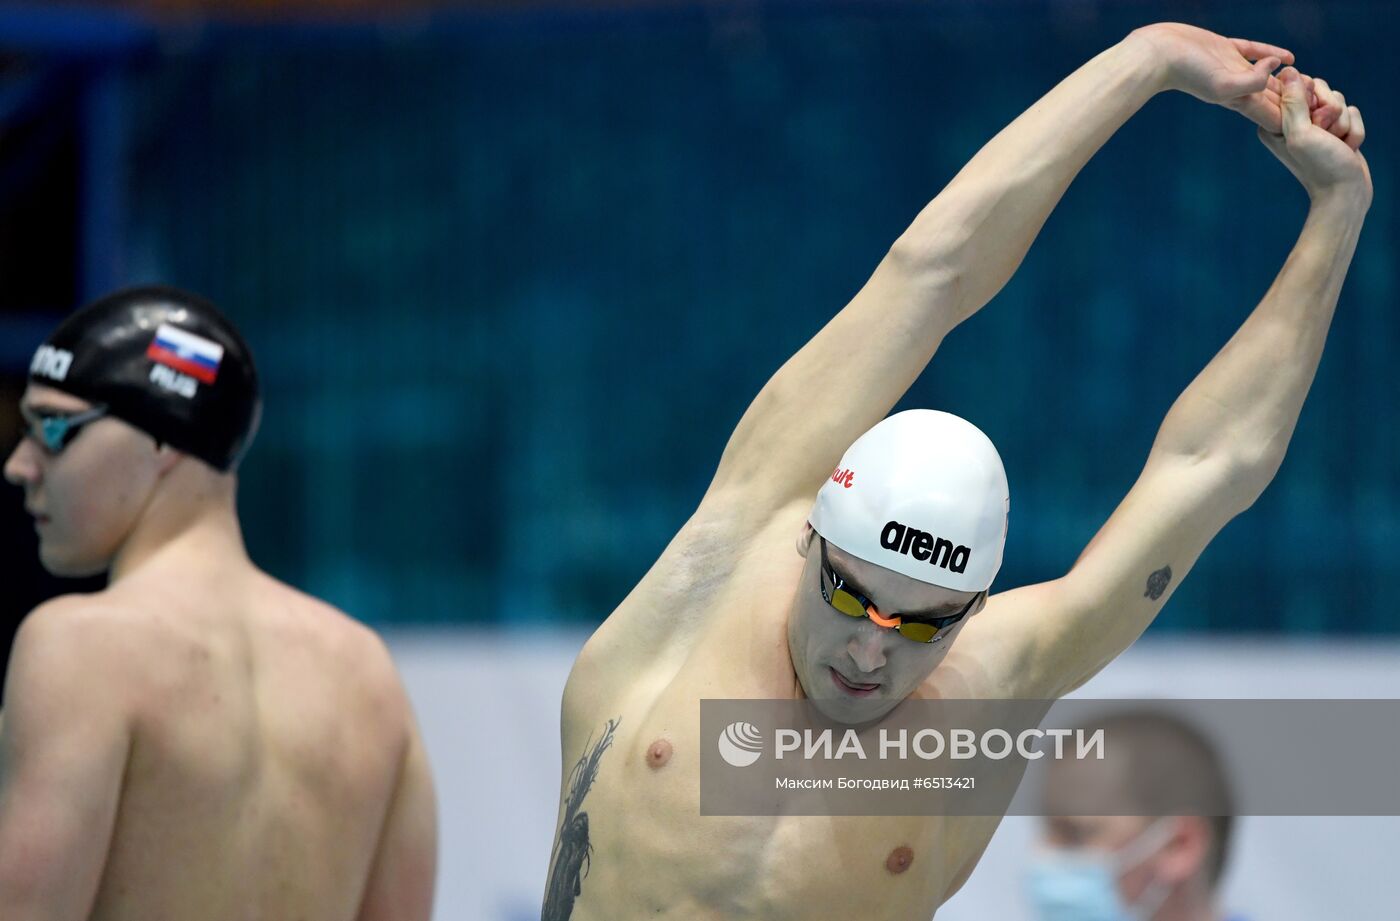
(250, 749)
(644, 850)
(711, 619)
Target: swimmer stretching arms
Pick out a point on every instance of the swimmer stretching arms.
(197, 741)
(886, 596)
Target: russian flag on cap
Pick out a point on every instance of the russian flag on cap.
(187, 353)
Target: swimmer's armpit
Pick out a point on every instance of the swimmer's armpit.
(573, 854)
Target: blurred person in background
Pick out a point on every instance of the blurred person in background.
(1107, 850)
(895, 559)
(197, 740)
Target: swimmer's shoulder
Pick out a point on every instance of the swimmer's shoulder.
(86, 640)
(723, 540)
(346, 646)
(342, 633)
(101, 620)
(723, 560)
(67, 611)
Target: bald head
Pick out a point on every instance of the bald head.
(1155, 765)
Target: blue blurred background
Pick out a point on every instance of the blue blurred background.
(513, 275)
(512, 272)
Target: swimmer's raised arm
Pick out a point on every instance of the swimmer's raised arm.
(962, 249)
(63, 752)
(1221, 443)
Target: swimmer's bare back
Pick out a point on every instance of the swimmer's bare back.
(205, 742)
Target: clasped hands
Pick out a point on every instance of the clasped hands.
(1302, 120)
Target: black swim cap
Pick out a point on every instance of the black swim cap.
(165, 361)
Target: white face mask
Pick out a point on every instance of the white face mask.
(1081, 885)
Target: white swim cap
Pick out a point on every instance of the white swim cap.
(922, 493)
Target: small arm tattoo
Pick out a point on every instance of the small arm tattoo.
(1157, 583)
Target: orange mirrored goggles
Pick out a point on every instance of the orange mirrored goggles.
(917, 627)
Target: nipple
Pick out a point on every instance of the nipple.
(899, 860)
(658, 754)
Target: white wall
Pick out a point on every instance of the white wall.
(489, 706)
